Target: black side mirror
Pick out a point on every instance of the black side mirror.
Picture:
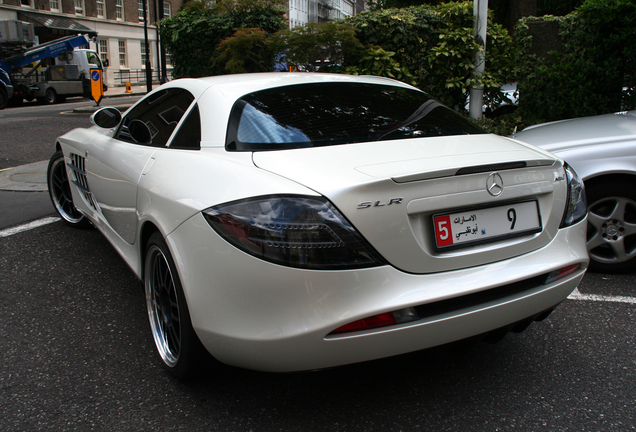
(106, 118)
(139, 132)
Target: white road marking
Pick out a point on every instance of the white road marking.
(28, 226)
(576, 295)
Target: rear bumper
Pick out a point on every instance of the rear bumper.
(257, 315)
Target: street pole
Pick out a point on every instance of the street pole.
(148, 67)
(480, 12)
(162, 49)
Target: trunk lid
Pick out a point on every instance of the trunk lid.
(392, 190)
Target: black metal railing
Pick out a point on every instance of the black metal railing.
(137, 77)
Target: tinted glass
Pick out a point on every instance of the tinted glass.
(312, 115)
(161, 112)
(189, 134)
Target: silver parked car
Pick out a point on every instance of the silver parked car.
(602, 150)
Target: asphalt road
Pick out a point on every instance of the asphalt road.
(76, 354)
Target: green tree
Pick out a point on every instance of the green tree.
(435, 44)
(333, 40)
(246, 51)
(586, 76)
(194, 34)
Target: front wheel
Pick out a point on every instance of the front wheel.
(60, 192)
(611, 231)
(175, 339)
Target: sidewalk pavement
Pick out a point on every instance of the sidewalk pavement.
(32, 177)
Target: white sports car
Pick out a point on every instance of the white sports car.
(602, 150)
(290, 222)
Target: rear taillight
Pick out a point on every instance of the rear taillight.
(561, 273)
(575, 208)
(295, 231)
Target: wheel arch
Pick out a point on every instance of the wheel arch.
(147, 230)
(605, 177)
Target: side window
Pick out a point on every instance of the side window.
(189, 134)
(93, 59)
(161, 112)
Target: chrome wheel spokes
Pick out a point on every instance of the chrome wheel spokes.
(60, 191)
(612, 230)
(163, 307)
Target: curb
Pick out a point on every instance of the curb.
(32, 177)
(25, 178)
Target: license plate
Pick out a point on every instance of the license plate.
(486, 224)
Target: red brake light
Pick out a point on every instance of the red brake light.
(382, 320)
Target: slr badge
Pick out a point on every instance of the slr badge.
(367, 204)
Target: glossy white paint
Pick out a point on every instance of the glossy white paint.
(259, 315)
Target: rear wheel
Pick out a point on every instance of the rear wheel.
(60, 192)
(50, 96)
(175, 339)
(611, 232)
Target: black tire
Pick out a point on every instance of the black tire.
(611, 229)
(50, 96)
(60, 192)
(177, 344)
(4, 99)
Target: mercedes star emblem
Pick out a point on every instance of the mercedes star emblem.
(494, 184)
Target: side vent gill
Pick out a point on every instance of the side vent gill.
(78, 166)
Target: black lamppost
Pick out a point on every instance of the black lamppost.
(148, 67)
(161, 48)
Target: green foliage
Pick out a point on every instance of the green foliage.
(432, 46)
(585, 77)
(193, 35)
(379, 62)
(332, 40)
(504, 125)
(435, 44)
(246, 51)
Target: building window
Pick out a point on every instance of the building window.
(167, 10)
(103, 51)
(143, 54)
(122, 53)
(26, 3)
(119, 10)
(140, 8)
(100, 9)
(79, 7)
(54, 6)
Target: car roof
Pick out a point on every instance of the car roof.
(237, 85)
(216, 95)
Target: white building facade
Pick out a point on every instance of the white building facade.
(303, 11)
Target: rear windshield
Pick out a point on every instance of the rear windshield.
(324, 114)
